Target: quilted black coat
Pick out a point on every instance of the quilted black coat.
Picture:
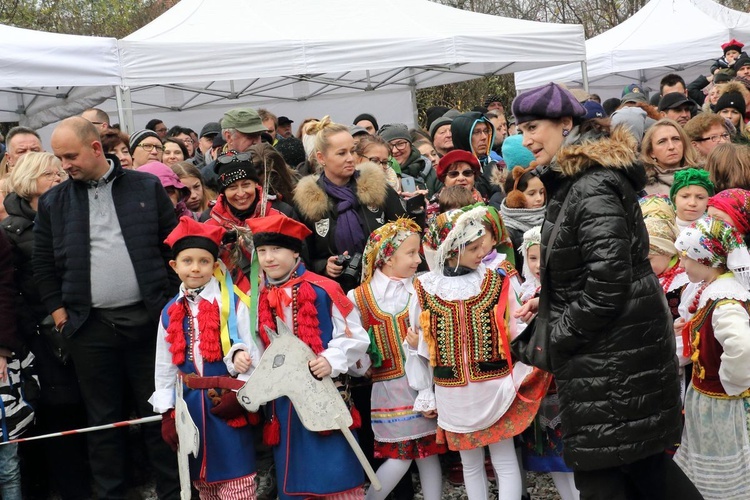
(612, 345)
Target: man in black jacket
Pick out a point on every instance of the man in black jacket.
(102, 272)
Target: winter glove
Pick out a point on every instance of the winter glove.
(228, 406)
(169, 430)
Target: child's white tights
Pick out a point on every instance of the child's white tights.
(392, 470)
(565, 485)
(507, 472)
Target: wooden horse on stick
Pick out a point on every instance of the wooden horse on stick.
(283, 371)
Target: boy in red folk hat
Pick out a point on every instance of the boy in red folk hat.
(308, 464)
(205, 338)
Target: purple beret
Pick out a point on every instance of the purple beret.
(549, 101)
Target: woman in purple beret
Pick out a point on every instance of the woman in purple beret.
(602, 321)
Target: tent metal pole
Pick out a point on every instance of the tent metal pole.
(125, 109)
(585, 75)
(413, 94)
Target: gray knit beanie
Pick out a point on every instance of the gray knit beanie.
(393, 131)
(138, 137)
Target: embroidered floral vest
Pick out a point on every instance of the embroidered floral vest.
(387, 332)
(706, 353)
(464, 329)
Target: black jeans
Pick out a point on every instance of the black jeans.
(652, 478)
(109, 365)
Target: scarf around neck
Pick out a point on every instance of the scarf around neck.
(522, 219)
(349, 234)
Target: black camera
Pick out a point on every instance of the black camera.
(350, 276)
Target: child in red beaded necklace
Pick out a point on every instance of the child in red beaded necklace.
(715, 450)
(308, 464)
(191, 343)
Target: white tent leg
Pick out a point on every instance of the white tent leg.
(125, 109)
(585, 76)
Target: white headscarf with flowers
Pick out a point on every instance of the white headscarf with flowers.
(714, 243)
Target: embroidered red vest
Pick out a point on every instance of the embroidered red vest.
(706, 353)
(465, 329)
(388, 333)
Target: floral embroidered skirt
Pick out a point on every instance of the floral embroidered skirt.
(513, 422)
(410, 449)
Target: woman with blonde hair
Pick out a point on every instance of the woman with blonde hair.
(34, 175)
(728, 166)
(666, 148)
(343, 204)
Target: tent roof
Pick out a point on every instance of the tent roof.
(298, 49)
(203, 53)
(41, 71)
(38, 59)
(665, 36)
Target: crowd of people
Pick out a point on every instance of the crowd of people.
(563, 289)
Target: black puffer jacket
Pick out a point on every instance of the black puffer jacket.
(612, 346)
(19, 227)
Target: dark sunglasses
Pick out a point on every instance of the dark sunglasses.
(455, 173)
(232, 156)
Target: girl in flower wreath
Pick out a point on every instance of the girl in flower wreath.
(387, 303)
(482, 397)
(715, 450)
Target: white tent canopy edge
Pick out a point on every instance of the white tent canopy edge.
(200, 53)
(665, 36)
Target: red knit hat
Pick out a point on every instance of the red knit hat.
(455, 156)
(190, 233)
(278, 230)
(732, 44)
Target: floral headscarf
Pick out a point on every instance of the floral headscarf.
(714, 243)
(658, 206)
(501, 234)
(736, 204)
(450, 232)
(661, 236)
(383, 243)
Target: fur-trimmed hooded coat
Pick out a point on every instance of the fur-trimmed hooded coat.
(612, 344)
(378, 204)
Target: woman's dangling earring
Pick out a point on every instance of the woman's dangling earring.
(565, 132)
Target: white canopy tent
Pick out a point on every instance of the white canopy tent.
(205, 53)
(665, 36)
(296, 57)
(47, 76)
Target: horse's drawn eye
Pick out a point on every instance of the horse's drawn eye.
(278, 360)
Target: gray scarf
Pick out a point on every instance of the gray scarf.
(522, 219)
